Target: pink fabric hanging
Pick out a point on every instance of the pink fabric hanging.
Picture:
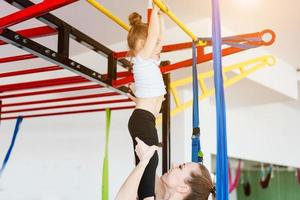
(233, 185)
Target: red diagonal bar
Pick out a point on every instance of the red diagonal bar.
(207, 57)
(50, 68)
(182, 64)
(200, 59)
(237, 39)
(30, 71)
(43, 83)
(51, 91)
(46, 83)
(32, 11)
(35, 32)
(68, 106)
(17, 58)
(90, 96)
(70, 112)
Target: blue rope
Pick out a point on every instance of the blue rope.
(195, 90)
(197, 155)
(7, 156)
(222, 159)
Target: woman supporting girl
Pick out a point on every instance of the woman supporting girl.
(145, 44)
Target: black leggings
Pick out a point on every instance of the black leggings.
(142, 125)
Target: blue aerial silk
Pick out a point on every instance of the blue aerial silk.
(197, 155)
(222, 159)
(15, 134)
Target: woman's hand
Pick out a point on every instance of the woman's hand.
(144, 151)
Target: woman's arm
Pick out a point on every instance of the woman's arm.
(128, 191)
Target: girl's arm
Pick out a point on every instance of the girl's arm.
(161, 26)
(153, 34)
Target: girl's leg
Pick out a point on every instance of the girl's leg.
(142, 125)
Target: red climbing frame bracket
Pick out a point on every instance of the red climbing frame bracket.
(32, 11)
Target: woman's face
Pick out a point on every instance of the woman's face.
(179, 173)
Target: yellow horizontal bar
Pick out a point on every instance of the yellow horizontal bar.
(165, 9)
(106, 12)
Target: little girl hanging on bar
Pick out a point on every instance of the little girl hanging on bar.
(145, 45)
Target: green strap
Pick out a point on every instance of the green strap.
(105, 183)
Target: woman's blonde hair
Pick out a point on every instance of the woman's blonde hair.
(138, 30)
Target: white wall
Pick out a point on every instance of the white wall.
(266, 133)
(61, 157)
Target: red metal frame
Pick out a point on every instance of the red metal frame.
(243, 38)
(122, 77)
(201, 58)
(70, 112)
(30, 71)
(43, 83)
(25, 14)
(68, 106)
(90, 96)
(35, 32)
(48, 82)
(32, 11)
(51, 91)
(17, 58)
(0, 110)
(48, 69)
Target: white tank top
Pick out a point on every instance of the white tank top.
(148, 78)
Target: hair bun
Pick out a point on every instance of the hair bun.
(135, 18)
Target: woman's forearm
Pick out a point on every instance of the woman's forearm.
(128, 191)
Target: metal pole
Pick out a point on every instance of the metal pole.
(17, 58)
(70, 112)
(73, 105)
(63, 41)
(90, 96)
(51, 91)
(32, 11)
(166, 126)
